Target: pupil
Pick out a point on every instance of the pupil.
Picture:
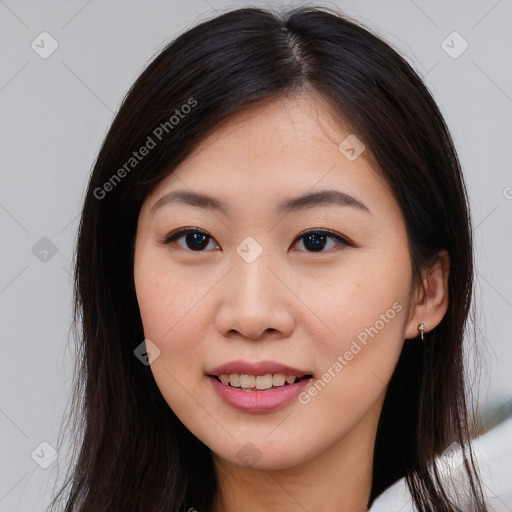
(315, 241)
(196, 241)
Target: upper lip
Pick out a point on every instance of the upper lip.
(262, 368)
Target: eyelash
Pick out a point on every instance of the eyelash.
(344, 242)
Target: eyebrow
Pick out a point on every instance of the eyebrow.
(311, 200)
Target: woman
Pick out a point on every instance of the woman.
(273, 276)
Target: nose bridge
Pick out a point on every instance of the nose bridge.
(253, 282)
(253, 299)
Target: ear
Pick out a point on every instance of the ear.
(430, 304)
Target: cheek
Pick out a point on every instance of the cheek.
(355, 364)
(364, 299)
(171, 321)
(166, 296)
(364, 316)
(172, 308)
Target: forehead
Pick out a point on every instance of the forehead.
(272, 151)
(276, 126)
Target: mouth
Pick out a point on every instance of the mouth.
(261, 383)
(258, 387)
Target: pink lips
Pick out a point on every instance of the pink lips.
(257, 401)
(262, 368)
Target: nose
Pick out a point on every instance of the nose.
(255, 303)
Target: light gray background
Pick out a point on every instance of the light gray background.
(56, 111)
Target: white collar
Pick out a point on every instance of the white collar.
(493, 454)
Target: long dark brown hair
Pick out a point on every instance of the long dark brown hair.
(131, 452)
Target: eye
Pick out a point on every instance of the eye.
(194, 239)
(314, 240)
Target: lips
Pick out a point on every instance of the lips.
(258, 386)
(240, 367)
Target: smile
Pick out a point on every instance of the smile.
(258, 387)
(258, 382)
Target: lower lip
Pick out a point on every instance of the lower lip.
(256, 401)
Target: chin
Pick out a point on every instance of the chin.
(264, 455)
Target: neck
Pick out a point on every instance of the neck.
(337, 480)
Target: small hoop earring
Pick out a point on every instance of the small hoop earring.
(421, 328)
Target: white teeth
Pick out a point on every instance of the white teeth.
(264, 381)
(234, 380)
(247, 381)
(278, 379)
(259, 382)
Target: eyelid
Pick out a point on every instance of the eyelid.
(167, 239)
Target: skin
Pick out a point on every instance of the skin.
(291, 305)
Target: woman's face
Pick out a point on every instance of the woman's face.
(257, 294)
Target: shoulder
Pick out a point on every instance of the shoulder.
(493, 453)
